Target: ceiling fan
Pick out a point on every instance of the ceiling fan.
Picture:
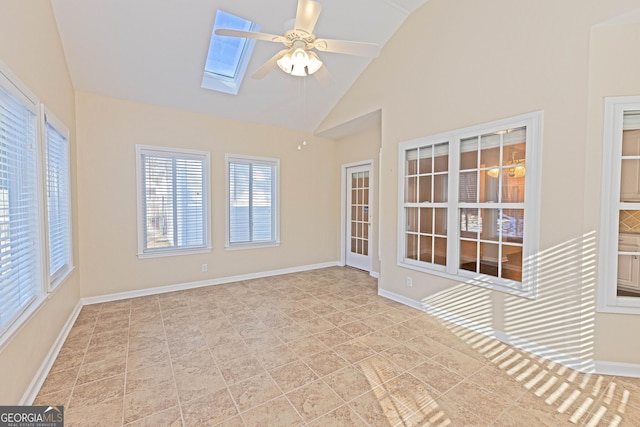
(299, 59)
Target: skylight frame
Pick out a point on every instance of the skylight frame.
(218, 80)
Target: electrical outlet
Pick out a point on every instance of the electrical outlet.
(204, 268)
(409, 282)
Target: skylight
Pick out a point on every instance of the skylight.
(228, 57)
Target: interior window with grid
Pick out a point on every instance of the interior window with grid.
(469, 203)
(425, 198)
(172, 188)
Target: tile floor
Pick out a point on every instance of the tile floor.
(318, 348)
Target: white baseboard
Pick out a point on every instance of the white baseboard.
(210, 282)
(34, 387)
(586, 366)
(374, 274)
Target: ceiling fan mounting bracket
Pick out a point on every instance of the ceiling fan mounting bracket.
(293, 36)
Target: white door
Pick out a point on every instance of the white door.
(358, 217)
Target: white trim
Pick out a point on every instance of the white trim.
(275, 205)
(343, 209)
(211, 282)
(580, 365)
(34, 387)
(608, 301)
(618, 369)
(173, 152)
(374, 274)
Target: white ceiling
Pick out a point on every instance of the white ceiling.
(154, 51)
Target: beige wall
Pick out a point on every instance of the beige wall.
(31, 48)
(456, 63)
(108, 131)
(363, 145)
(613, 71)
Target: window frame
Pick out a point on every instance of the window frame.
(608, 301)
(275, 205)
(11, 83)
(48, 118)
(527, 288)
(175, 153)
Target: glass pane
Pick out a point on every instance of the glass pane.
(412, 219)
(365, 231)
(426, 155)
(425, 248)
(441, 221)
(353, 245)
(411, 190)
(489, 255)
(354, 213)
(515, 147)
(489, 190)
(425, 189)
(365, 247)
(489, 151)
(468, 255)
(426, 220)
(513, 185)
(490, 222)
(354, 197)
(512, 224)
(628, 280)
(512, 263)
(469, 153)
(412, 162)
(630, 180)
(360, 213)
(631, 142)
(365, 196)
(412, 246)
(440, 253)
(440, 188)
(354, 229)
(468, 188)
(365, 179)
(441, 160)
(470, 223)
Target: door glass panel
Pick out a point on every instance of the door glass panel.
(441, 159)
(425, 248)
(489, 256)
(425, 189)
(511, 267)
(468, 188)
(469, 153)
(468, 255)
(440, 188)
(426, 156)
(440, 252)
(412, 219)
(512, 224)
(411, 193)
(412, 246)
(441, 221)
(426, 220)
(470, 223)
(412, 162)
(490, 221)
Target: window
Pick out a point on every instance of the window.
(619, 284)
(20, 241)
(56, 139)
(173, 212)
(228, 57)
(469, 202)
(252, 201)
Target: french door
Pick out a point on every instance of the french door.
(358, 217)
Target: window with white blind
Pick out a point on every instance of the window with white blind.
(252, 201)
(469, 202)
(173, 201)
(20, 241)
(56, 141)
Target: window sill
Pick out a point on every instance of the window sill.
(241, 246)
(475, 279)
(174, 252)
(55, 283)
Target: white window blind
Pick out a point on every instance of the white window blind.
(173, 192)
(19, 229)
(58, 199)
(252, 201)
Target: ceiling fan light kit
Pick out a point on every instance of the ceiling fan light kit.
(298, 59)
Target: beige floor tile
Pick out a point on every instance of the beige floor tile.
(276, 356)
(333, 337)
(317, 325)
(378, 408)
(377, 341)
(170, 417)
(356, 329)
(457, 362)
(196, 375)
(410, 391)
(516, 417)
(67, 358)
(150, 376)
(102, 413)
(60, 380)
(97, 391)
(378, 369)
(209, 410)
(344, 416)
(403, 356)
(241, 368)
(306, 347)
(353, 351)
(291, 333)
(438, 378)
(325, 362)
(104, 368)
(57, 398)
(426, 346)
(147, 401)
(277, 412)
(292, 376)
(314, 400)
(349, 383)
(147, 357)
(254, 391)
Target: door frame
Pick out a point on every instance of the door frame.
(373, 215)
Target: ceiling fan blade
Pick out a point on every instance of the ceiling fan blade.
(268, 66)
(347, 47)
(323, 76)
(307, 15)
(249, 35)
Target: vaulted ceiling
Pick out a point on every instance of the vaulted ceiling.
(154, 51)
